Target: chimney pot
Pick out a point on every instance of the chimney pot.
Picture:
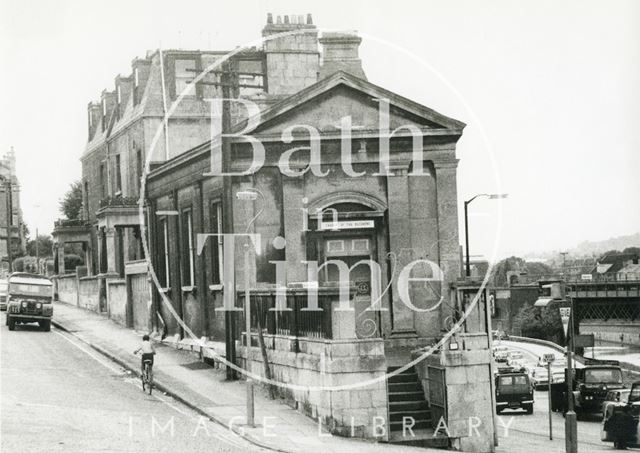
(286, 19)
(301, 19)
(294, 19)
(269, 18)
(309, 19)
(279, 20)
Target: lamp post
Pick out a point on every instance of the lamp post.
(250, 195)
(492, 196)
(571, 419)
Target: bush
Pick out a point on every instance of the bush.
(541, 323)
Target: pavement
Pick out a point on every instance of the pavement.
(183, 376)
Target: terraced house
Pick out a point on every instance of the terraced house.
(350, 192)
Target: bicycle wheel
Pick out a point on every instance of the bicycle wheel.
(143, 377)
(149, 378)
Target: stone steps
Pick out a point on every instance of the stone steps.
(406, 399)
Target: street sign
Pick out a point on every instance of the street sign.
(565, 314)
(586, 277)
(548, 358)
(584, 341)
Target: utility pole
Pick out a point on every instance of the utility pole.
(571, 419)
(9, 221)
(37, 254)
(229, 85)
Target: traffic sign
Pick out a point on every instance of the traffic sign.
(565, 314)
(548, 358)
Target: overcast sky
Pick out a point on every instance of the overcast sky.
(554, 86)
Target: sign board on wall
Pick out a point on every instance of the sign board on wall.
(584, 341)
(347, 225)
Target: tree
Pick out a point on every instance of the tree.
(634, 250)
(71, 204)
(517, 264)
(45, 246)
(542, 323)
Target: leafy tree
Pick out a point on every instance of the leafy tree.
(542, 323)
(45, 246)
(71, 204)
(514, 263)
(635, 250)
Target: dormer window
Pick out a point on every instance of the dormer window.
(104, 108)
(119, 95)
(185, 72)
(136, 77)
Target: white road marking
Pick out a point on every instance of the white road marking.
(224, 438)
(91, 354)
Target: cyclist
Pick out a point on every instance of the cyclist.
(148, 351)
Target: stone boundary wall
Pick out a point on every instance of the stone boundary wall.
(117, 301)
(623, 332)
(89, 293)
(67, 288)
(462, 392)
(322, 363)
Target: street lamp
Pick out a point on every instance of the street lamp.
(492, 196)
(249, 195)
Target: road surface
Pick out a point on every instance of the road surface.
(533, 430)
(57, 394)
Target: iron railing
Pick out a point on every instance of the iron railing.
(119, 202)
(70, 223)
(294, 319)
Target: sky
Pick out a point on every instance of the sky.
(549, 91)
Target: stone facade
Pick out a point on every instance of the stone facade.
(12, 228)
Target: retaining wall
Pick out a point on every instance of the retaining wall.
(117, 301)
(331, 363)
(622, 332)
(67, 286)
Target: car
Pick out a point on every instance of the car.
(616, 412)
(513, 391)
(557, 373)
(500, 353)
(539, 377)
(620, 396)
(30, 300)
(4, 292)
(515, 359)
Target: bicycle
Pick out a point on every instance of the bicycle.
(147, 372)
(147, 376)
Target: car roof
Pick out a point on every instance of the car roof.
(29, 279)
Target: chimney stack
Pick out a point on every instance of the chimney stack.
(124, 87)
(107, 104)
(340, 53)
(293, 61)
(140, 74)
(93, 118)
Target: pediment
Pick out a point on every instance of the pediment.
(324, 105)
